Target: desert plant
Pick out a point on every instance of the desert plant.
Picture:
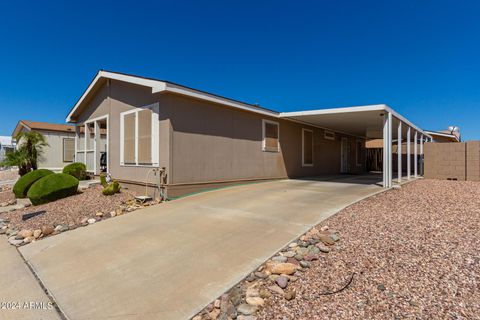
(52, 187)
(29, 151)
(23, 184)
(77, 170)
(103, 180)
(111, 189)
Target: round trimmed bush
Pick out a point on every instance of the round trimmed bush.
(77, 170)
(23, 184)
(52, 187)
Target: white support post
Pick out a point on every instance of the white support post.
(387, 150)
(409, 160)
(415, 154)
(421, 154)
(399, 152)
(86, 134)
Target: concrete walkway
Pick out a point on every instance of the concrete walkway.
(169, 261)
(21, 296)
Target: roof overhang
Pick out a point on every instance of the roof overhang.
(159, 86)
(20, 125)
(452, 136)
(361, 121)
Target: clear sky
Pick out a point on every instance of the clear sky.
(420, 57)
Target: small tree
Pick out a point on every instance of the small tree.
(30, 146)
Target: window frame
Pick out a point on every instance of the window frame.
(303, 148)
(264, 142)
(63, 149)
(155, 136)
(329, 135)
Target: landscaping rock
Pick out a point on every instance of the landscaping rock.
(282, 282)
(279, 259)
(99, 214)
(47, 230)
(227, 309)
(37, 233)
(3, 231)
(276, 289)
(236, 296)
(24, 233)
(305, 264)
(14, 241)
(241, 317)
(299, 257)
(246, 309)
(91, 221)
(290, 295)
(289, 254)
(255, 301)
(251, 277)
(261, 275)
(28, 239)
(284, 268)
(264, 293)
(293, 245)
(323, 248)
(216, 304)
(327, 240)
(310, 257)
(334, 237)
(61, 228)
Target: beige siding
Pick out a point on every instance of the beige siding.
(53, 154)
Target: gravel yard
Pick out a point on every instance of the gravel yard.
(413, 253)
(7, 175)
(68, 211)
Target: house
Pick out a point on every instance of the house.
(180, 140)
(6, 145)
(60, 138)
(450, 135)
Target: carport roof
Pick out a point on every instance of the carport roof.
(361, 121)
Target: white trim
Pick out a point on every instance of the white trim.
(376, 107)
(409, 160)
(442, 134)
(155, 131)
(162, 86)
(326, 132)
(415, 154)
(264, 121)
(399, 152)
(303, 148)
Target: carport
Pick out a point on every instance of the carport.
(374, 122)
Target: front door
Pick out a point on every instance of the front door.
(345, 150)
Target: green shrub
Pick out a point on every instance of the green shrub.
(103, 180)
(111, 189)
(23, 184)
(52, 187)
(77, 170)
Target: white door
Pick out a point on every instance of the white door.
(345, 150)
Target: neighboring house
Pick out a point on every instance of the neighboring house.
(60, 138)
(6, 145)
(450, 135)
(197, 140)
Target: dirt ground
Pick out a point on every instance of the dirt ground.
(413, 254)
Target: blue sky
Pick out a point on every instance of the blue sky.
(420, 57)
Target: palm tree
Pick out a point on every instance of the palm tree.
(30, 146)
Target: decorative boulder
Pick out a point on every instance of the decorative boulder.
(23, 184)
(77, 170)
(52, 187)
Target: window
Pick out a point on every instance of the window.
(329, 135)
(139, 136)
(307, 148)
(358, 152)
(68, 149)
(270, 136)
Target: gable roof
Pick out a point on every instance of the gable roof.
(446, 134)
(45, 126)
(162, 86)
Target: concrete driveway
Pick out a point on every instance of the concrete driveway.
(170, 260)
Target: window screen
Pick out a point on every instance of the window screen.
(129, 138)
(145, 136)
(307, 147)
(271, 136)
(68, 150)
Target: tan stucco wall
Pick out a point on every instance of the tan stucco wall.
(214, 143)
(204, 143)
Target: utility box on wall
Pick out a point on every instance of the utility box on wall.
(452, 161)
